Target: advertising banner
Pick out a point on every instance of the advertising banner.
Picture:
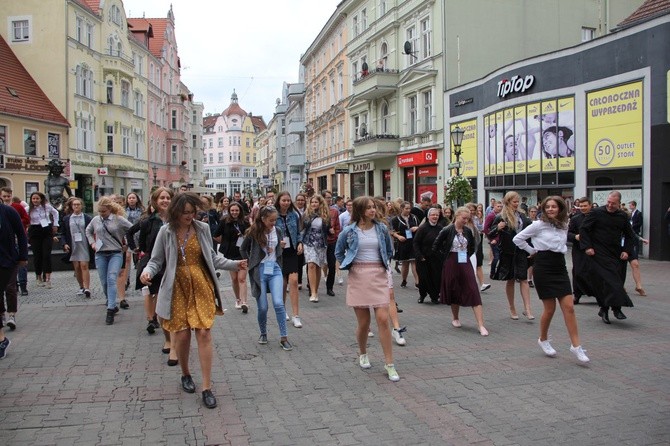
(468, 148)
(533, 143)
(614, 127)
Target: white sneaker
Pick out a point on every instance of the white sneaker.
(397, 335)
(393, 375)
(80, 292)
(238, 304)
(371, 334)
(340, 281)
(364, 362)
(485, 286)
(580, 353)
(296, 322)
(313, 298)
(546, 348)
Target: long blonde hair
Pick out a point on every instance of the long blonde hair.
(114, 207)
(508, 214)
(322, 211)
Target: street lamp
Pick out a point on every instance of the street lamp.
(154, 169)
(308, 164)
(456, 139)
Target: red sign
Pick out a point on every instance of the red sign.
(418, 158)
(409, 174)
(427, 171)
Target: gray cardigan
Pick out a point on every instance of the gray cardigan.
(165, 253)
(252, 251)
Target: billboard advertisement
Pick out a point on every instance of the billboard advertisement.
(614, 127)
(530, 138)
(468, 148)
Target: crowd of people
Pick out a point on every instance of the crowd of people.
(180, 241)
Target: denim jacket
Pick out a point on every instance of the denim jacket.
(347, 245)
(307, 222)
(293, 230)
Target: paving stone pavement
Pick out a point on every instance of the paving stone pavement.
(68, 379)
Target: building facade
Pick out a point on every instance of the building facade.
(572, 123)
(327, 90)
(229, 160)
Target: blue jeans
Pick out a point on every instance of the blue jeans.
(23, 277)
(496, 258)
(108, 265)
(272, 283)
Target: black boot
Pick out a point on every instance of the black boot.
(616, 311)
(398, 309)
(603, 314)
(421, 299)
(575, 300)
(109, 320)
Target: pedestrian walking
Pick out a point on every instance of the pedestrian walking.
(105, 234)
(550, 235)
(455, 244)
(581, 281)
(44, 223)
(263, 247)
(364, 248)
(76, 246)
(403, 227)
(230, 234)
(13, 253)
(428, 263)
(316, 227)
(290, 224)
(513, 264)
(188, 296)
(123, 280)
(8, 311)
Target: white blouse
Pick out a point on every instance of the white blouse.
(545, 237)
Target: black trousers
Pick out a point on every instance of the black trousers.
(330, 258)
(5, 275)
(10, 292)
(41, 242)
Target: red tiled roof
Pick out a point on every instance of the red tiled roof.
(30, 101)
(158, 39)
(234, 109)
(86, 4)
(259, 123)
(647, 11)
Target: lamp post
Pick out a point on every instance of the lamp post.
(308, 164)
(154, 169)
(456, 139)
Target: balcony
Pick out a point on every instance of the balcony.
(296, 92)
(176, 135)
(296, 125)
(376, 84)
(375, 146)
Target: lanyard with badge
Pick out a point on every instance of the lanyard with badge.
(287, 237)
(268, 267)
(462, 248)
(78, 235)
(240, 237)
(182, 246)
(408, 232)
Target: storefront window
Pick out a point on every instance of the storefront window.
(426, 182)
(357, 184)
(386, 184)
(409, 185)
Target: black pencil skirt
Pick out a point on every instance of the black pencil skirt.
(550, 275)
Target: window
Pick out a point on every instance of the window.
(138, 103)
(354, 71)
(427, 110)
(138, 144)
(385, 119)
(248, 142)
(333, 98)
(220, 141)
(21, 30)
(383, 55)
(30, 142)
(80, 29)
(211, 143)
(413, 40)
(248, 157)
(194, 119)
(412, 115)
(85, 133)
(125, 140)
(354, 25)
(173, 154)
(425, 38)
(211, 158)
(84, 81)
(89, 35)
(340, 84)
(588, 34)
(110, 139)
(364, 19)
(110, 92)
(125, 93)
(115, 15)
(173, 119)
(221, 157)
(3, 139)
(382, 8)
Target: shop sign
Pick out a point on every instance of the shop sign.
(362, 167)
(427, 171)
(129, 174)
(102, 171)
(516, 84)
(295, 178)
(17, 163)
(418, 158)
(136, 184)
(341, 168)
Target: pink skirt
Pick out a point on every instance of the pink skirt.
(367, 285)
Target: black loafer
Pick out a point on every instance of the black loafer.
(619, 315)
(603, 315)
(172, 362)
(330, 292)
(421, 299)
(208, 399)
(187, 384)
(123, 304)
(109, 320)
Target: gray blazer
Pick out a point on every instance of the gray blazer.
(252, 251)
(165, 253)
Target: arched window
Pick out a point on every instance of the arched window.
(383, 56)
(385, 119)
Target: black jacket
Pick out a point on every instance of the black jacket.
(445, 238)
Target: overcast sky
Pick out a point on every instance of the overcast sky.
(251, 46)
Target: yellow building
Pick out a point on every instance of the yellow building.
(83, 57)
(32, 130)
